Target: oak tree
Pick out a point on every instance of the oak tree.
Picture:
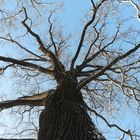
(71, 83)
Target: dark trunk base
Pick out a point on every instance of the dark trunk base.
(65, 118)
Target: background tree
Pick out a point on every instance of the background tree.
(96, 76)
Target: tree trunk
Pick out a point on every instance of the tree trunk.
(65, 117)
(18, 139)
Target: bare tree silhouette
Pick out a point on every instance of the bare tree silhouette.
(97, 76)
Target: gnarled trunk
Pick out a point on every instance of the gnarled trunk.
(65, 118)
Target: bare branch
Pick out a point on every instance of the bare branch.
(93, 4)
(38, 96)
(47, 52)
(34, 100)
(13, 103)
(97, 37)
(27, 64)
(25, 49)
(51, 34)
(128, 132)
(84, 33)
(2, 69)
(86, 61)
(86, 81)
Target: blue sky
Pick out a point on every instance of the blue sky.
(73, 13)
(71, 18)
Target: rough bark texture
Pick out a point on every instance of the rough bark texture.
(65, 117)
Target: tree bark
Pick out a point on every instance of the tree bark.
(17, 139)
(65, 117)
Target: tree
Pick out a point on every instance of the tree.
(101, 76)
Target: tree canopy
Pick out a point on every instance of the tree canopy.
(100, 62)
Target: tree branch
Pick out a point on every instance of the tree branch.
(34, 100)
(86, 61)
(22, 47)
(26, 64)
(51, 33)
(128, 132)
(19, 102)
(54, 60)
(95, 9)
(86, 81)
